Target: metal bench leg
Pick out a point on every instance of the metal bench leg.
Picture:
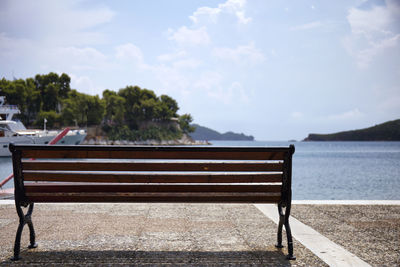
(32, 235)
(281, 220)
(17, 243)
(284, 220)
(290, 256)
(24, 219)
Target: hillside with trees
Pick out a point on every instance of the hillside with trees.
(132, 113)
(388, 131)
(204, 133)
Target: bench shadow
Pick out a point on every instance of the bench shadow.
(151, 258)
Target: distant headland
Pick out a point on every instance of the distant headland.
(204, 133)
(388, 131)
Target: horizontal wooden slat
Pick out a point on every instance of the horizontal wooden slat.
(155, 155)
(157, 197)
(168, 152)
(151, 178)
(151, 166)
(123, 188)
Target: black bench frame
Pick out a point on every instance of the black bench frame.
(22, 153)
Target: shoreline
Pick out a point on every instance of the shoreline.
(103, 140)
(145, 143)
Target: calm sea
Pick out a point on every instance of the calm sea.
(329, 170)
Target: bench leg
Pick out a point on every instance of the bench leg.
(17, 243)
(284, 220)
(280, 225)
(290, 256)
(24, 219)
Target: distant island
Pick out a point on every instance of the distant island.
(204, 133)
(388, 131)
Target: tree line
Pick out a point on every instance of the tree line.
(132, 113)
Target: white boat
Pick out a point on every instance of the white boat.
(14, 131)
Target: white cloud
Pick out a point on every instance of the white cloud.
(179, 60)
(45, 35)
(86, 19)
(83, 84)
(186, 36)
(242, 54)
(373, 32)
(242, 17)
(49, 58)
(368, 22)
(129, 52)
(87, 54)
(234, 94)
(208, 12)
(212, 84)
(54, 22)
(364, 57)
(172, 80)
(232, 7)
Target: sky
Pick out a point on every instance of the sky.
(277, 70)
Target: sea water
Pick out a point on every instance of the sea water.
(341, 170)
(5, 170)
(327, 170)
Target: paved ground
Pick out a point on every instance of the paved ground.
(193, 234)
(372, 232)
(149, 234)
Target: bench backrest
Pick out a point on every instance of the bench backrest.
(152, 174)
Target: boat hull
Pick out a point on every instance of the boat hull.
(74, 137)
(14, 131)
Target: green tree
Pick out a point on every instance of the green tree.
(169, 107)
(74, 109)
(50, 97)
(85, 110)
(131, 94)
(33, 102)
(95, 110)
(184, 123)
(64, 83)
(51, 116)
(114, 107)
(15, 93)
(53, 89)
(150, 109)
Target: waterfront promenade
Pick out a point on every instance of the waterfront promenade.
(204, 234)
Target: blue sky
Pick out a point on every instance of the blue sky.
(277, 70)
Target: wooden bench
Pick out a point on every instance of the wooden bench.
(151, 174)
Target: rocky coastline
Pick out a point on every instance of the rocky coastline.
(184, 140)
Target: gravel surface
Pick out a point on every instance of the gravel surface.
(372, 232)
(148, 235)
